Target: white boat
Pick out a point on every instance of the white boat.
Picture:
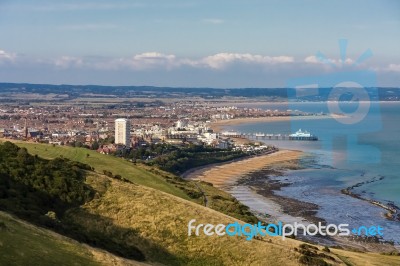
(303, 135)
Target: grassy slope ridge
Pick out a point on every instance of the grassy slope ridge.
(103, 162)
(156, 222)
(24, 244)
(146, 176)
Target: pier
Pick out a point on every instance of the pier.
(299, 135)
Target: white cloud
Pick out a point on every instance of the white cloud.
(315, 60)
(393, 68)
(221, 60)
(154, 57)
(68, 61)
(6, 56)
(312, 59)
(150, 60)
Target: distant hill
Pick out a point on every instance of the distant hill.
(274, 94)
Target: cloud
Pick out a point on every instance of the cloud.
(157, 60)
(143, 61)
(231, 66)
(319, 60)
(150, 60)
(68, 62)
(312, 59)
(393, 68)
(165, 69)
(222, 60)
(213, 21)
(6, 56)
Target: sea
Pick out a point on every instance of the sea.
(359, 147)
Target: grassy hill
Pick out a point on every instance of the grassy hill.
(156, 223)
(146, 176)
(22, 243)
(137, 174)
(143, 216)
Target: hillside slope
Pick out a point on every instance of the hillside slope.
(101, 162)
(155, 222)
(22, 243)
(146, 176)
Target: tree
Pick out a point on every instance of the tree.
(95, 145)
(78, 144)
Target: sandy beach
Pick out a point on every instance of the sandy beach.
(228, 174)
(220, 124)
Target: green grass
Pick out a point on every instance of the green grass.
(24, 244)
(135, 173)
(144, 175)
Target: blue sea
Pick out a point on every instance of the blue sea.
(361, 147)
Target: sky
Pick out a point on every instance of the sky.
(197, 43)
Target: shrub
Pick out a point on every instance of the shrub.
(326, 249)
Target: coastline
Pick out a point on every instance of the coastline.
(218, 125)
(253, 184)
(249, 181)
(229, 173)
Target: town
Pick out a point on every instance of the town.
(175, 135)
(95, 127)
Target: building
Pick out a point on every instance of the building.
(122, 132)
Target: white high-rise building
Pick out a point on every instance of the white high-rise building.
(122, 131)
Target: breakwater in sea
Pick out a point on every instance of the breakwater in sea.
(393, 210)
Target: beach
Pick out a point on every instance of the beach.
(227, 174)
(248, 181)
(219, 125)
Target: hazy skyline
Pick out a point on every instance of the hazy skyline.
(194, 43)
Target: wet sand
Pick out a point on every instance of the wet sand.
(261, 183)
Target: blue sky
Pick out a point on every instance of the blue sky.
(194, 43)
